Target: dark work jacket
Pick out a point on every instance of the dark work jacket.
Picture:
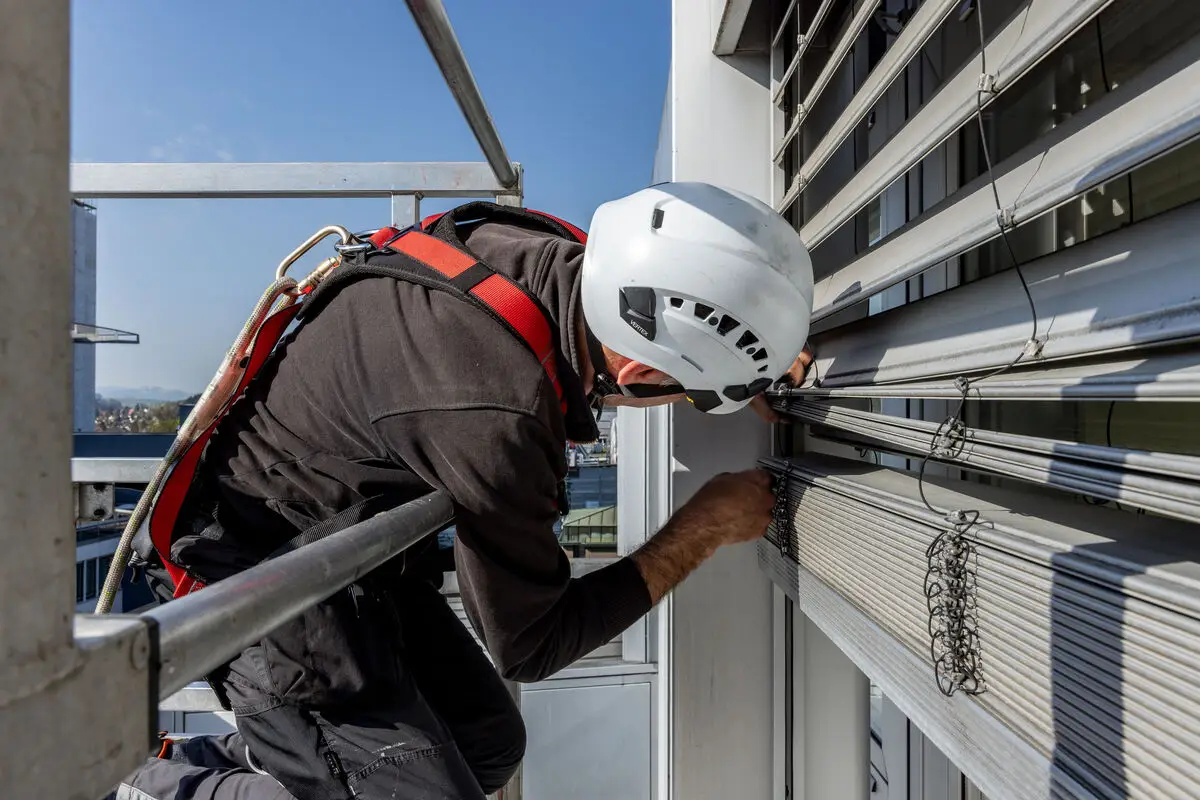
(396, 388)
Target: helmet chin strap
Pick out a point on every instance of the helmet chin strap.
(605, 384)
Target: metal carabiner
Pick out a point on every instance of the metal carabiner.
(309, 243)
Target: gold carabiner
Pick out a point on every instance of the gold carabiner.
(309, 243)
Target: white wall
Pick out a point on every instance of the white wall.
(720, 633)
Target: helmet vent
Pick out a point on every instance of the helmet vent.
(763, 368)
(728, 323)
(702, 311)
(746, 340)
(761, 355)
(676, 302)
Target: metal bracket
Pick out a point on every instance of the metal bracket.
(1007, 218)
(800, 40)
(1033, 348)
(987, 82)
(94, 501)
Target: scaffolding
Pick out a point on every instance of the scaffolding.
(63, 674)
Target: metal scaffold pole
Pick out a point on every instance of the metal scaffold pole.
(431, 19)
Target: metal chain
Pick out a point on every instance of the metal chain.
(950, 592)
(780, 530)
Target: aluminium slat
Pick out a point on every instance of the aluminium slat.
(865, 11)
(1017, 604)
(1165, 377)
(1141, 653)
(1045, 461)
(1144, 772)
(802, 45)
(1091, 543)
(1031, 35)
(787, 15)
(999, 761)
(1162, 656)
(264, 180)
(1153, 113)
(1170, 464)
(908, 44)
(997, 655)
(1017, 633)
(1135, 288)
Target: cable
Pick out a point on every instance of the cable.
(950, 587)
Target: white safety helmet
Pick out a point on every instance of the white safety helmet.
(706, 284)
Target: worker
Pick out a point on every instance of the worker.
(415, 368)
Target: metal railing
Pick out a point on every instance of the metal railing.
(430, 16)
(199, 632)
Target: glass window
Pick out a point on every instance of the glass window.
(78, 581)
(89, 579)
(589, 529)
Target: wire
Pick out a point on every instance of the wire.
(1108, 424)
(950, 582)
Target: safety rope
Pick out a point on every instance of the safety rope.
(283, 292)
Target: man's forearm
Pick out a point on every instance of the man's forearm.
(683, 544)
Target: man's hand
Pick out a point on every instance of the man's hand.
(733, 507)
(730, 508)
(793, 377)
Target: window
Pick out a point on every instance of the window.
(589, 529)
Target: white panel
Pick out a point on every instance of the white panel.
(1006, 766)
(836, 718)
(1155, 112)
(720, 629)
(587, 743)
(729, 30)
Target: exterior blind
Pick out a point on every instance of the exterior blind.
(1083, 633)
(1156, 112)
(1048, 646)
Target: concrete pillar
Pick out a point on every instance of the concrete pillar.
(36, 520)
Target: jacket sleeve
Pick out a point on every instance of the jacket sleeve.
(503, 470)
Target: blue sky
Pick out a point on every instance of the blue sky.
(576, 90)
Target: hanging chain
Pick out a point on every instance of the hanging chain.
(782, 515)
(950, 591)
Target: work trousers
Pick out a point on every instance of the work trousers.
(376, 693)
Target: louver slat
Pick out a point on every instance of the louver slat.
(1130, 290)
(1086, 621)
(1151, 115)
(1133, 477)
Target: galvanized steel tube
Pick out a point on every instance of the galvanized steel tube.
(199, 632)
(431, 18)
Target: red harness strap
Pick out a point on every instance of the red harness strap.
(494, 290)
(498, 293)
(175, 489)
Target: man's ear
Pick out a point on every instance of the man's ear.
(637, 372)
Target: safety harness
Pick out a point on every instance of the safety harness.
(426, 254)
